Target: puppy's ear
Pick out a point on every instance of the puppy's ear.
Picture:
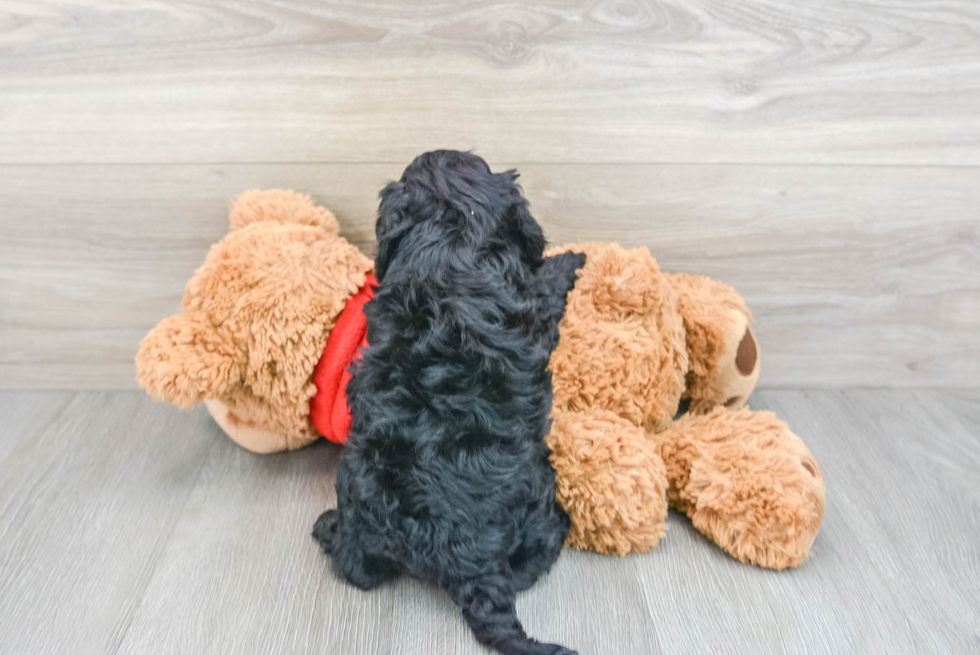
(526, 232)
(394, 222)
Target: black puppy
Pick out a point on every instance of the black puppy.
(446, 476)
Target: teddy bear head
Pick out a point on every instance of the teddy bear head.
(641, 343)
(256, 316)
(723, 354)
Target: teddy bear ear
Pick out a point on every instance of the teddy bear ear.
(280, 206)
(185, 360)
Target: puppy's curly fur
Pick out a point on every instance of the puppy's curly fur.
(447, 477)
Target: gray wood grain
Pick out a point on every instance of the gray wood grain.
(89, 494)
(25, 415)
(129, 527)
(856, 276)
(878, 81)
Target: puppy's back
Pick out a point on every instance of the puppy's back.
(447, 474)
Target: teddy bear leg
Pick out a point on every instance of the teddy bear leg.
(611, 481)
(746, 482)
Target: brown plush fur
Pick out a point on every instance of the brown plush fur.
(256, 317)
(621, 345)
(618, 370)
(611, 481)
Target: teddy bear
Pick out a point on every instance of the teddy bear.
(650, 376)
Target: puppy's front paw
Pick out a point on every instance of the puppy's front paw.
(325, 530)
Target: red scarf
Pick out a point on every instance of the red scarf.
(329, 410)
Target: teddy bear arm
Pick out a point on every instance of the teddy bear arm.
(610, 480)
(747, 482)
(185, 360)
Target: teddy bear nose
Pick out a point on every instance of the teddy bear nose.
(747, 354)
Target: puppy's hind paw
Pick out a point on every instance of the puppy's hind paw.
(325, 530)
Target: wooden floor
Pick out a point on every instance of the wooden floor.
(129, 527)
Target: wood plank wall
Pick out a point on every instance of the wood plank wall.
(823, 158)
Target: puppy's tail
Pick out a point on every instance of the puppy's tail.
(325, 530)
(488, 607)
